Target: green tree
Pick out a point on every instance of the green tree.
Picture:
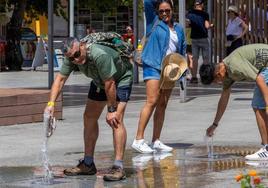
(32, 9)
(103, 4)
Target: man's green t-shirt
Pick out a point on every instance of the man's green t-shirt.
(244, 63)
(102, 63)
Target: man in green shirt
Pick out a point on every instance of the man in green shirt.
(111, 85)
(247, 63)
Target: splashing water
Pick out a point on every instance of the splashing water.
(48, 176)
(209, 143)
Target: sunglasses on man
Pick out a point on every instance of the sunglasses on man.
(162, 11)
(76, 55)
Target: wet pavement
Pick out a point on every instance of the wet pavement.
(188, 166)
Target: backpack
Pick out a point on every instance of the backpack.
(110, 39)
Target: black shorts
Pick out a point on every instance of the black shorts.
(189, 48)
(98, 94)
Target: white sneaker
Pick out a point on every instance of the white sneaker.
(258, 164)
(141, 146)
(260, 155)
(141, 160)
(160, 156)
(159, 146)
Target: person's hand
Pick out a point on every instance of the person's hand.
(112, 119)
(49, 110)
(237, 37)
(187, 22)
(210, 130)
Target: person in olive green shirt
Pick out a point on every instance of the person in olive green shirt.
(111, 85)
(247, 63)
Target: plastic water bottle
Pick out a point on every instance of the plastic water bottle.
(209, 143)
(139, 45)
(138, 51)
(49, 124)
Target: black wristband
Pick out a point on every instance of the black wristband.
(215, 124)
(111, 109)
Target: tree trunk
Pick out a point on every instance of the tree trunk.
(14, 58)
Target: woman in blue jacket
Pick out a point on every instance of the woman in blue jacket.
(164, 37)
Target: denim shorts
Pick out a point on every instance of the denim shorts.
(150, 73)
(98, 94)
(258, 99)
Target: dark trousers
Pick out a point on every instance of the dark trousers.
(235, 44)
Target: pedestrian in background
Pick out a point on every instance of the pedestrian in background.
(199, 22)
(166, 37)
(235, 30)
(128, 36)
(189, 50)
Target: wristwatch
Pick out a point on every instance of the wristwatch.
(111, 109)
(215, 124)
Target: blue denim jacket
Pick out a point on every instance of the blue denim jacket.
(158, 41)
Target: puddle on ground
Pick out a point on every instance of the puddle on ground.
(187, 166)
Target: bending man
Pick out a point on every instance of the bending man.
(111, 85)
(246, 63)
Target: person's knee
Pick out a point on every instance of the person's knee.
(195, 60)
(152, 101)
(89, 117)
(120, 117)
(86, 115)
(120, 126)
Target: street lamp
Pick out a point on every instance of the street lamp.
(136, 34)
(50, 44)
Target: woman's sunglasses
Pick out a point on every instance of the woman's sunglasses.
(162, 11)
(76, 55)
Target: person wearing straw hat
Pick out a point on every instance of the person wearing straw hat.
(166, 37)
(235, 30)
(246, 63)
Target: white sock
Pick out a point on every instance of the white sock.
(139, 141)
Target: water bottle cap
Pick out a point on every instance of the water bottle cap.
(139, 47)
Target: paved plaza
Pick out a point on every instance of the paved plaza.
(184, 129)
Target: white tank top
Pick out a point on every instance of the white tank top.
(173, 42)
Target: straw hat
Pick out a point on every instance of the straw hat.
(232, 8)
(173, 67)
